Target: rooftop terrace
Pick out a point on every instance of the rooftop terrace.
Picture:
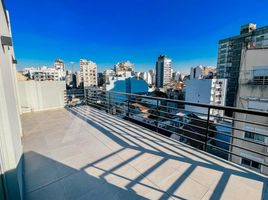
(84, 153)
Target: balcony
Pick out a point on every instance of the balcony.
(85, 153)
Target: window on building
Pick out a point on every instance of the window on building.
(251, 163)
(260, 75)
(254, 136)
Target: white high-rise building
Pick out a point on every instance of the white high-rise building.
(147, 77)
(152, 73)
(176, 76)
(88, 72)
(107, 74)
(163, 71)
(78, 79)
(206, 91)
(59, 66)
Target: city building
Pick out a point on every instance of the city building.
(88, 72)
(206, 91)
(43, 73)
(145, 76)
(152, 73)
(163, 71)
(252, 94)
(101, 79)
(202, 72)
(127, 85)
(78, 79)
(176, 76)
(107, 74)
(59, 66)
(229, 55)
(70, 79)
(125, 69)
(81, 152)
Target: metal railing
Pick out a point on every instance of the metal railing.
(193, 123)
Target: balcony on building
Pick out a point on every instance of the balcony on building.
(83, 152)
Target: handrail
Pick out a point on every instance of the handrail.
(206, 131)
(228, 108)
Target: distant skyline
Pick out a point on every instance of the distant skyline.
(108, 32)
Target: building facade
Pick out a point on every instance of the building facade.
(145, 76)
(229, 55)
(206, 91)
(163, 71)
(88, 73)
(11, 170)
(107, 74)
(43, 73)
(59, 67)
(202, 72)
(252, 94)
(125, 69)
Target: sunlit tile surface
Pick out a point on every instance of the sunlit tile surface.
(84, 153)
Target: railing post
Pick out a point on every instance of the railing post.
(128, 105)
(207, 131)
(109, 103)
(157, 119)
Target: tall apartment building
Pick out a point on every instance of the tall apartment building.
(201, 72)
(206, 91)
(107, 74)
(145, 76)
(163, 71)
(59, 66)
(229, 55)
(152, 73)
(78, 79)
(88, 72)
(124, 69)
(252, 94)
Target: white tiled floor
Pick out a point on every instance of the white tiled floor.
(84, 153)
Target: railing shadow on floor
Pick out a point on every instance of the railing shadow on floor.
(73, 186)
(104, 123)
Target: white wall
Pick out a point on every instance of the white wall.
(41, 95)
(198, 91)
(204, 91)
(10, 124)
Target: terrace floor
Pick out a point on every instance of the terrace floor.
(84, 153)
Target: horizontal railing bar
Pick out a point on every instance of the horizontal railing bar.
(238, 138)
(119, 103)
(226, 108)
(233, 145)
(232, 153)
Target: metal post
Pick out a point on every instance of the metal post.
(109, 103)
(157, 108)
(207, 127)
(128, 106)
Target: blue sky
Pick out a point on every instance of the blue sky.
(109, 31)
